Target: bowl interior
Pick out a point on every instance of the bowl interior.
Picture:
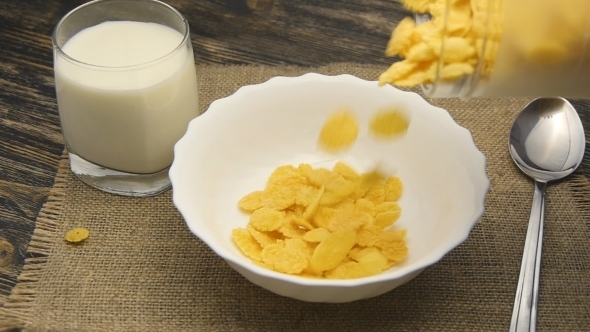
(231, 150)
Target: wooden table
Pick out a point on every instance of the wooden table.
(270, 32)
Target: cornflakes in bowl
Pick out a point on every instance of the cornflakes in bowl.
(255, 181)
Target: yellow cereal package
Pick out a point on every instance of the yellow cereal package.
(337, 224)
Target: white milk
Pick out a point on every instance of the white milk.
(127, 119)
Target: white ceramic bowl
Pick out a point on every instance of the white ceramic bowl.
(231, 150)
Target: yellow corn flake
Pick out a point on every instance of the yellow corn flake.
(316, 176)
(286, 175)
(283, 259)
(389, 123)
(387, 207)
(393, 245)
(339, 132)
(77, 235)
(371, 259)
(368, 262)
(307, 195)
(365, 206)
(348, 219)
(291, 230)
(455, 70)
(401, 38)
(412, 80)
(252, 201)
(376, 193)
(301, 246)
(421, 52)
(327, 224)
(386, 219)
(458, 49)
(365, 183)
(263, 238)
(265, 219)
(330, 198)
(330, 252)
(346, 204)
(368, 235)
(397, 71)
(322, 216)
(316, 235)
(301, 222)
(338, 185)
(278, 197)
(459, 18)
(348, 270)
(393, 189)
(314, 203)
(282, 188)
(247, 244)
(296, 210)
(374, 264)
(345, 171)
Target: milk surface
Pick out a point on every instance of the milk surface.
(127, 108)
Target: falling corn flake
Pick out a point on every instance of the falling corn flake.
(339, 131)
(337, 223)
(77, 235)
(389, 123)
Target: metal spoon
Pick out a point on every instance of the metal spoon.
(547, 143)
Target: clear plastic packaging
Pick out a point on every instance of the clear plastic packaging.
(529, 48)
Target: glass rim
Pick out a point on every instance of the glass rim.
(59, 50)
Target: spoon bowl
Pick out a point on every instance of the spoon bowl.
(547, 139)
(547, 143)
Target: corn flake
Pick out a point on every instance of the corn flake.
(386, 219)
(339, 132)
(247, 244)
(263, 238)
(348, 219)
(284, 259)
(401, 38)
(77, 235)
(393, 189)
(265, 219)
(316, 235)
(330, 252)
(346, 171)
(252, 201)
(392, 244)
(389, 123)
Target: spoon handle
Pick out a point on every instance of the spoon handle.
(524, 314)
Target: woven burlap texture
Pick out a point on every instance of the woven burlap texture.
(142, 270)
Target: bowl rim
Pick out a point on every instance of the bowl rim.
(246, 264)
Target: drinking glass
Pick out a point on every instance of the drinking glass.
(126, 90)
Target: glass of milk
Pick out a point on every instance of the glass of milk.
(126, 90)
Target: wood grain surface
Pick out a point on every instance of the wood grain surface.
(271, 32)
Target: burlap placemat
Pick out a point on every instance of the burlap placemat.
(142, 270)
